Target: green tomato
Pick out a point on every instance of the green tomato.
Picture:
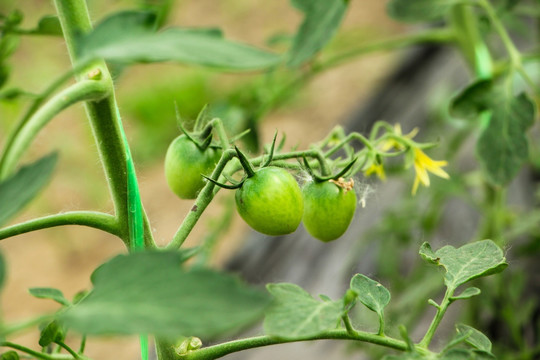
(270, 201)
(184, 164)
(328, 209)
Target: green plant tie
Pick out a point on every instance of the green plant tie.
(135, 216)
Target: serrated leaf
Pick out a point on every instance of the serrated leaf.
(49, 293)
(52, 333)
(420, 10)
(471, 101)
(503, 146)
(427, 254)
(130, 37)
(151, 293)
(370, 293)
(17, 190)
(296, 314)
(466, 294)
(321, 21)
(476, 339)
(471, 261)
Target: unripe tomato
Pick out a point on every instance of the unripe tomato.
(184, 164)
(328, 209)
(270, 201)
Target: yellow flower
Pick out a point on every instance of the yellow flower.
(424, 164)
(394, 144)
(377, 169)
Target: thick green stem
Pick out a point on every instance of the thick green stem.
(92, 219)
(441, 310)
(81, 91)
(104, 118)
(220, 350)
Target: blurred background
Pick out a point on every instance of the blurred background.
(404, 86)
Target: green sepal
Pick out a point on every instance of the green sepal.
(319, 178)
(244, 162)
(200, 117)
(224, 186)
(239, 136)
(271, 153)
(204, 138)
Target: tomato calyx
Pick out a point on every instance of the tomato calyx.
(246, 165)
(202, 138)
(332, 178)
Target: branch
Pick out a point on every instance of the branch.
(219, 350)
(81, 91)
(97, 220)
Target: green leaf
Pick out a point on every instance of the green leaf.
(130, 37)
(420, 10)
(49, 293)
(10, 355)
(476, 339)
(503, 146)
(52, 333)
(296, 314)
(370, 293)
(471, 101)
(321, 21)
(471, 261)
(427, 254)
(17, 190)
(466, 294)
(150, 293)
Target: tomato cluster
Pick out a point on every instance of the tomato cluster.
(268, 199)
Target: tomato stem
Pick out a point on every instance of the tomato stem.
(220, 350)
(92, 219)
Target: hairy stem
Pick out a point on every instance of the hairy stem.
(92, 219)
(220, 350)
(104, 118)
(441, 310)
